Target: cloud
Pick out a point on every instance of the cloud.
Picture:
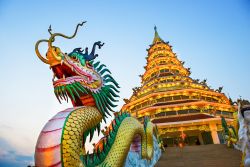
(16, 138)
(9, 156)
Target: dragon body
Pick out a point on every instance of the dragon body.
(92, 91)
(230, 134)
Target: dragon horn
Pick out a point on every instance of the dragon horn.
(52, 37)
(38, 53)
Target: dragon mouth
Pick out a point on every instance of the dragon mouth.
(85, 86)
(71, 70)
(70, 80)
(72, 67)
(76, 82)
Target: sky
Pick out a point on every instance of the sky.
(212, 37)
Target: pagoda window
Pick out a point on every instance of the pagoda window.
(133, 109)
(169, 74)
(193, 111)
(158, 55)
(208, 98)
(164, 70)
(218, 112)
(138, 107)
(214, 100)
(225, 113)
(195, 97)
(169, 113)
(207, 111)
(144, 104)
(182, 112)
(162, 75)
(184, 97)
(160, 114)
(162, 62)
(160, 100)
(169, 98)
(203, 98)
(177, 97)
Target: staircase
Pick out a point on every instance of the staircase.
(212, 155)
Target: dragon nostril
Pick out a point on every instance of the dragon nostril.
(74, 58)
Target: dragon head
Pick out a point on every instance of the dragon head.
(78, 77)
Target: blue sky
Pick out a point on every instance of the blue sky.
(212, 37)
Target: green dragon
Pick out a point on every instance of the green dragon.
(92, 91)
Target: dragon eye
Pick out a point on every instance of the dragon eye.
(74, 57)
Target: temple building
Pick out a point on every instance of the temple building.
(176, 103)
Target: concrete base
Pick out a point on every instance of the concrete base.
(212, 155)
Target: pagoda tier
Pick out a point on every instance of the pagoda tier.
(168, 91)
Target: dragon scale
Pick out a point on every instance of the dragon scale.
(92, 91)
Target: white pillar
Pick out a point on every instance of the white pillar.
(200, 138)
(214, 134)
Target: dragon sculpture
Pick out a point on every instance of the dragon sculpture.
(230, 134)
(92, 91)
(244, 131)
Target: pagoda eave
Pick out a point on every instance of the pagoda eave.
(178, 106)
(171, 92)
(182, 119)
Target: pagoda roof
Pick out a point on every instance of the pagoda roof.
(182, 118)
(157, 38)
(166, 85)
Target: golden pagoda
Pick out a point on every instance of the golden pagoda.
(175, 102)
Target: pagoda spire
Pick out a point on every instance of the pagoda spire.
(174, 101)
(157, 38)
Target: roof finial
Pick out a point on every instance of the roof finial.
(156, 37)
